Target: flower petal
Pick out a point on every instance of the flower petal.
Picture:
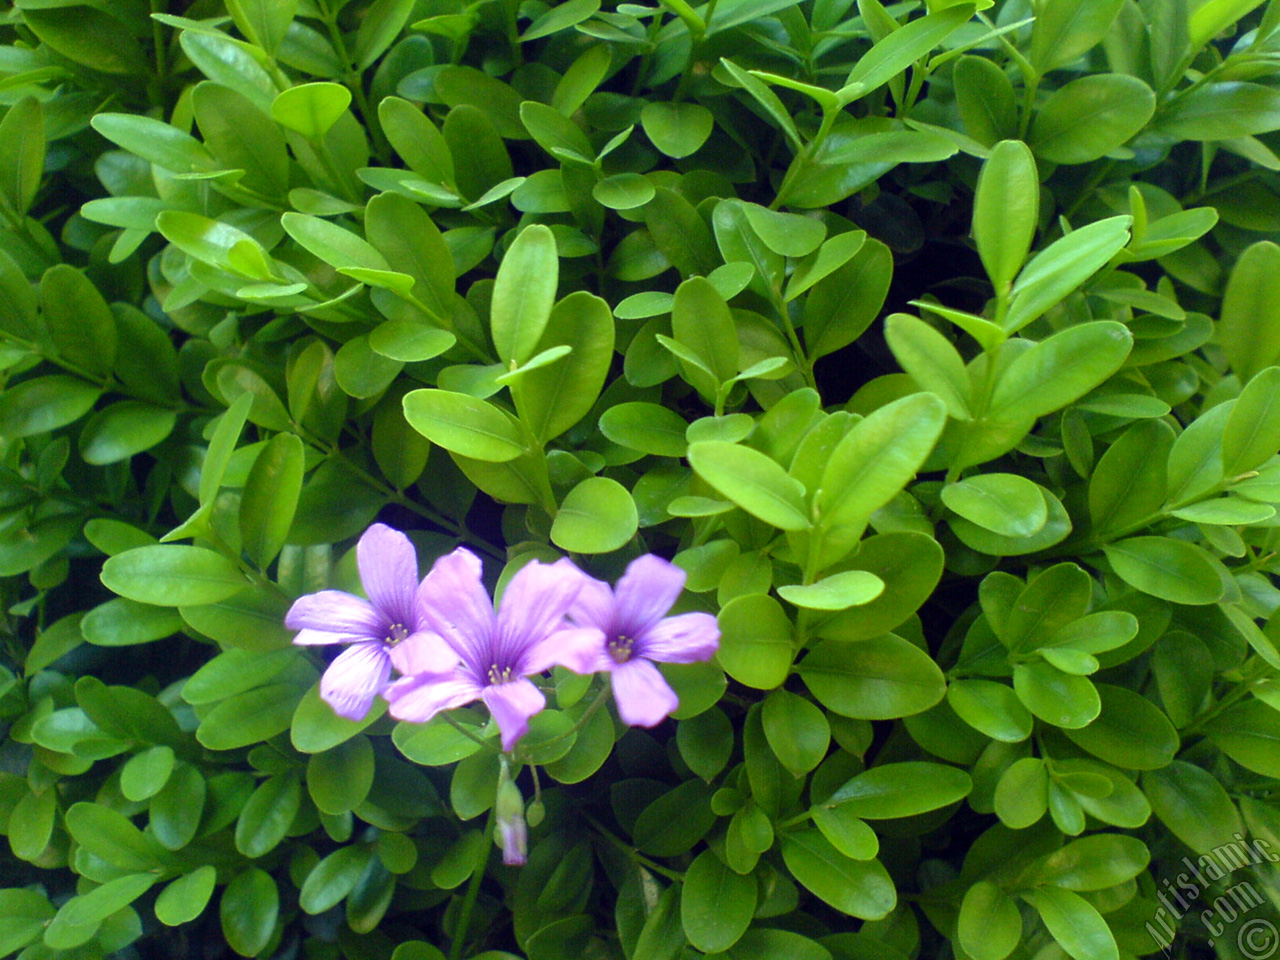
(389, 571)
(533, 607)
(594, 606)
(453, 603)
(581, 649)
(643, 696)
(335, 611)
(423, 652)
(353, 679)
(645, 593)
(683, 639)
(418, 699)
(309, 638)
(512, 704)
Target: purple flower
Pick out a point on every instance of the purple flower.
(376, 628)
(637, 631)
(497, 652)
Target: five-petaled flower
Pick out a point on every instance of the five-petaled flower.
(378, 629)
(637, 631)
(497, 652)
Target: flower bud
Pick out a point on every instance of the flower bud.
(508, 808)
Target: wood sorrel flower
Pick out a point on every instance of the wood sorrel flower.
(497, 652)
(637, 631)
(376, 628)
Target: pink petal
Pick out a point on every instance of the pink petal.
(389, 571)
(335, 611)
(534, 606)
(594, 605)
(512, 704)
(581, 649)
(645, 593)
(423, 652)
(682, 639)
(643, 697)
(353, 679)
(454, 604)
(418, 699)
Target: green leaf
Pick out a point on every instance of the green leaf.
(1094, 862)
(78, 919)
(623, 191)
(523, 294)
(797, 731)
(270, 497)
(1222, 111)
(1004, 503)
(1130, 732)
(989, 926)
(1005, 211)
(753, 481)
(1075, 923)
(904, 46)
(222, 445)
(553, 398)
(1248, 734)
(859, 888)
(339, 779)
(336, 246)
(788, 234)
(1192, 804)
(755, 641)
(22, 140)
(401, 231)
(877, 458)
(679, 234)
(1057, 698)
(878, 679)
(145, 773)
(701, 322)
(1129, 481)
(1252, 434)
(1059, 369)
(45, 404)
(675, 821)
(464, 425)
(716, 904)
(990, 708)
(841, 307)
(676, 129)
(895, 790)
(249, 910)
(156, 142)
(168, 575)
(597, 516)
(1173, 570)
(264, 22)
(268, 814)
(311, 109)
(379, 28)
(647, 427)
(985, 98)
(1090, 117)
(123, 429)
(931, 360)
(333, 878)
(839, 591)
(185, 898)
(417, 140)
(560, 17)
(1066, 29)
(910, 564)
(91, 37)
(1249, 329)
(1063, 266)
(249, 717)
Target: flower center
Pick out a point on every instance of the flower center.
(499, 675)
(395, 633)
(620, 648)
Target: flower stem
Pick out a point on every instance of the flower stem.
(469, 899)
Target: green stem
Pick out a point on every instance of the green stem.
(634, 855)
(461, 929)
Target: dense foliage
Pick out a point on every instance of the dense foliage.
(936, 343)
